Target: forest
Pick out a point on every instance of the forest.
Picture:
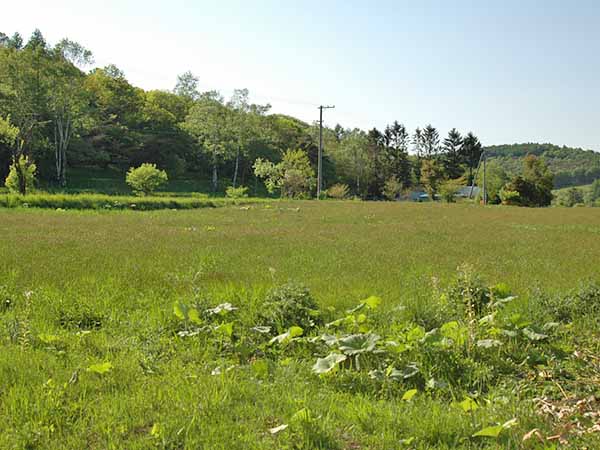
(570, 166)
(71, 117)
(66, 121)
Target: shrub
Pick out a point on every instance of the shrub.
(534, 187)
(432, 174)
(392, 188)
(593, 196)
(338, 191)
(509, 197)
(293, 176)
(146, 179)
(527, 192)
(28, 170)
(236, 192)
(449, 188)
(569, 197)
(290, 305)
(469, 290)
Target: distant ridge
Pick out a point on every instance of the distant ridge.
(571, 166)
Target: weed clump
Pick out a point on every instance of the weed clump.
(290, 305)
(470, 291)
(582, 302)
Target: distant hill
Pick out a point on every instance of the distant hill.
(571, 166)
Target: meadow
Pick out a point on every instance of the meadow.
(300, 324)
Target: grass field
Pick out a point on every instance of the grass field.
(96, 355)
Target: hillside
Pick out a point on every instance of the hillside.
(571, 166)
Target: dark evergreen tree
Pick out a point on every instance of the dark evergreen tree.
(431, 142)
(417, 142)
(375, 147)
(36, 41)
(451, 154)
(395, 153)
(15, 42)
(470, 152)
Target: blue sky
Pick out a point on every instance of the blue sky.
(511, 71)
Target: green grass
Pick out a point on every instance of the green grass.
(116, 202)
(112, 182)
(88, 287)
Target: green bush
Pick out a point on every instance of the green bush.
(449, 188)
(569, 197)
(236, 192)
(392, 188)
(338, 191)
(509, 197)
(146, 179)
(528, 193)
(470, 291)
(293, 176)
(290, 305)
(534, 187)
(592, 197)
(28, 169)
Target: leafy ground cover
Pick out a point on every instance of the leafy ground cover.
(300, 325)
(110, 202)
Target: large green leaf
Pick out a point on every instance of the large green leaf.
(290, 334)
(100, 368)
(468, 405)
(327, 364)
(408, 395)
(533, 336)
(184, 312)
(492, 432)
(225, 328)
(356, 344)
(453, 330)
(410, 371)
(373, 302)
(222, 309)
(488, 343)
(180, 310)
(193, 316)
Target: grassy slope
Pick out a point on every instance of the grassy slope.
(128, 268)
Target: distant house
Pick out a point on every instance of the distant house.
(418, 196)
(465, 192)
(422, 196)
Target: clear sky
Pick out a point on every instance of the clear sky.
(511, 71)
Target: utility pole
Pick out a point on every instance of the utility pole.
(320, 156)
(484, 183)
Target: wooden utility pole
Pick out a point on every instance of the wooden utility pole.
(320, 156)
(484, 183)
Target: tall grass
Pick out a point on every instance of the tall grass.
(108, 202)
(83, 288)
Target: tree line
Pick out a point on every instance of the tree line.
(62, 115)
(571, 166)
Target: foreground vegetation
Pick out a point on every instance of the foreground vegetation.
(258, 327)
(108, 202)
